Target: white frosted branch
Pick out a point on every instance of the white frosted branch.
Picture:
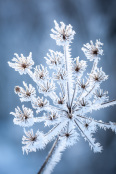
(73, 97)
(99, 123)
(55, 131)
(87, 136)
(93, 69)
(104, 105)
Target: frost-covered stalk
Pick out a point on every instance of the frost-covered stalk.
(68, 65)
(49, 156)
(67, 87)
(53, 157)
(69, 113)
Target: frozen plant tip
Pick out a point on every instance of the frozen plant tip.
(67, 111)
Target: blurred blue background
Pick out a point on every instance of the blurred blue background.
(25, 26)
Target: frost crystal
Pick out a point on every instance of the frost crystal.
(71, 103)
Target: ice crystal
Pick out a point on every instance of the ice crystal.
(68, 113)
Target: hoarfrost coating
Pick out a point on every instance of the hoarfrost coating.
(69, 113)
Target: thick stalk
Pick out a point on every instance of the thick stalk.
(48, 157)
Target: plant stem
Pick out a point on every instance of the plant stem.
(84, 134)
(66, 63)
(48, 157)
(93, 68)
(73, 94)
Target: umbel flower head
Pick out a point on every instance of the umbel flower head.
(25, 118)
(92, 51)
(63, 35)
(22, 64)
(72, 104)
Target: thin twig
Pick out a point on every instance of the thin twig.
(51, 130)
(99, 122)
(90, 91)
(110, 102)
(75, 105)
(59, 109)
(93, 68)
(84, 96)
(104, 105)
(73, 94)
(62, 89)
(84, 134)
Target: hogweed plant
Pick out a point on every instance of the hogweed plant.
(68, 115)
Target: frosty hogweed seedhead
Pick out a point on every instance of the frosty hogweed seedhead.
(68, 114)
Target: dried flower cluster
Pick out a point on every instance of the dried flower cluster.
(69, 113)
